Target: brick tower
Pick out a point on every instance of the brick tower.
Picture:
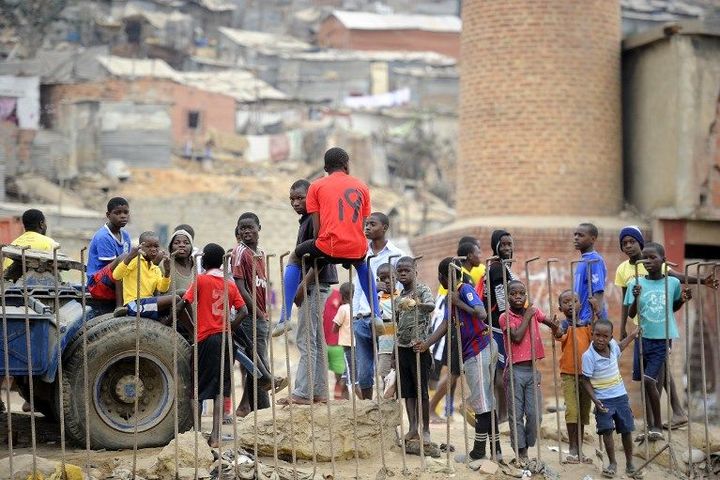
(540, 130)
(540, 137)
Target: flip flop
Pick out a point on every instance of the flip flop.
(575, 460)
(608, 472)
(674, 425)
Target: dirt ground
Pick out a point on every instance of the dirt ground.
(48, 444)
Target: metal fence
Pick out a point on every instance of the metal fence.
(132, 382)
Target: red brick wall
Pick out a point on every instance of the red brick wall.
(218, 111)
(540, 108)
(529, 242)
(333, 34)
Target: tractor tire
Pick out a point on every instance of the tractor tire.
(112, 390)
(74, 347)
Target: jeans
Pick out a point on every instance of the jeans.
(310, 316)
(364, 357)
(263, 329)
(523, 415)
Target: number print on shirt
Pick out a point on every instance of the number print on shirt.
(354, 199)
(217, 306)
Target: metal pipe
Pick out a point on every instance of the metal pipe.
(286, 316)
(509, 361)
(416, 336)
(536, 383)
(453, 282)
(554, 362)
(272, 376)
(638, 339)
(136, 396)
(393, 283)
(28, 347)
(176, 427)
(703, 371)
(378, 381)
(687, 371)
(493, 368)
(6, 359)
(86, 377)
(221, 394)
(254, 379)
(197, 421)
(353, 376)
(308, 360)
(59, 377)
(324, 356)
(575, 360)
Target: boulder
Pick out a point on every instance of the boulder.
(51, 469)
(164, 465)
(369, 418)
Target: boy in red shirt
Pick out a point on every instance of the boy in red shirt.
(210, 324)
(523, 416)
(339, 205)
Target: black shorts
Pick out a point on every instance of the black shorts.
(407, 380)
(209, 368)
(451, 339)
(309, 247)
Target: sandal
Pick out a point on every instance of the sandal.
(675, 424)
(633, 473)
(575, 460)
(608, 472)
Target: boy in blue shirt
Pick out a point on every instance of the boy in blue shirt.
(645, 297)
(603, 383)
(591, 300)
(107, 248)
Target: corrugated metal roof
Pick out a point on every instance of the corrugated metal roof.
(376, 21)
(253, 39)
(660, 10)
(133, 68)
(241, 85)
(216, 5)
(59, 66)
(430, 58)
(154, 18)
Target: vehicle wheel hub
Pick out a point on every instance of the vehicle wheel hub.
(127, 389)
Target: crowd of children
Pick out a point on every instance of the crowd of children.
(387, 319)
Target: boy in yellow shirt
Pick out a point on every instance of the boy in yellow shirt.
(34, 237)
(152, 279)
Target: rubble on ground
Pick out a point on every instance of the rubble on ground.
(343, 444)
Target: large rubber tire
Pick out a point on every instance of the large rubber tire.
(111, 363)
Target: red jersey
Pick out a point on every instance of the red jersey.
(242, 259)
(522, 352)
(210, 305)
(331, 307)
(343, 203)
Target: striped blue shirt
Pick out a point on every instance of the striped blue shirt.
(604, 372)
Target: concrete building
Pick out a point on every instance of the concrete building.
(372, 31)
(671, 80)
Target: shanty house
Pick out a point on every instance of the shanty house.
(373, 31)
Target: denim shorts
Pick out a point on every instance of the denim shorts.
(654, 355)
(619, 416)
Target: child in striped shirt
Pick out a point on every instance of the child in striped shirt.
(601, 379)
